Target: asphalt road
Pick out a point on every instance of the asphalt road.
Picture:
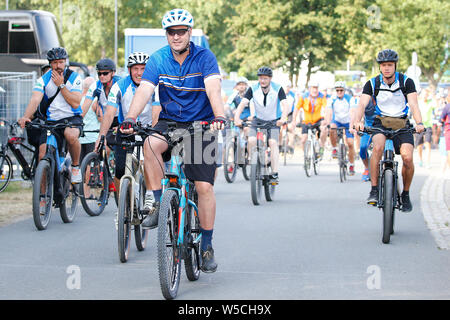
(317, 240)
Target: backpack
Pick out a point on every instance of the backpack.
(41, 111)
(401, 80)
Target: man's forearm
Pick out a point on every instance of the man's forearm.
(107, 120)
(33, 105)
(72, 98)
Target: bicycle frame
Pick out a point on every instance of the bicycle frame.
(176, 180)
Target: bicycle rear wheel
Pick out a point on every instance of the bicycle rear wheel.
(43, 194)
(255, 179)
(169, 255)
(69, 202)
(94, 189)
(6, 171)
(124, 220)
(230, 167)
(284, 147)
(388, 204)
(192, 245)
(308, 158)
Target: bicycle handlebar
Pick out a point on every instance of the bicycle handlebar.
(387, 132)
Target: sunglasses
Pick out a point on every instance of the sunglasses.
(178, 32)
(103, 73)
(339, 90)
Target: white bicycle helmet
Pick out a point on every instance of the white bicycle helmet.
(137, 58)
(339, 84)
(242, 79)
(177, 17)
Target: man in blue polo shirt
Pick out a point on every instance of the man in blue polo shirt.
(189, 90)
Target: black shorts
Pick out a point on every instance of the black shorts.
(424, 136)
(76, 121)
(272, 133)
(311, 125)
(120, 155)
(405, 137)
(199, 155)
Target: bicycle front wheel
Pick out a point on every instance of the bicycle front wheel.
(308, 158)
(388, 204)
(6, 171)
(140, 234)
(169, 255)
(94, 189)
(255, 178)
(43, 194)
(246, 166)
(124, 220)
(230, 167)
(69, 203)
(316, 157)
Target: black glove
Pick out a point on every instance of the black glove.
(128, 123)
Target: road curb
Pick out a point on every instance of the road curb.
(435, 208)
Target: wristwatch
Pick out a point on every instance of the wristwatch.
(61, 86)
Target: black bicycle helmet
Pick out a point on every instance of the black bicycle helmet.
(57, 53)
(387, 55)
(265, 71)
(105, 64)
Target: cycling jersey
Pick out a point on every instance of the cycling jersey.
(182, 91)
(59, 108)
(291, 100)
(267, 106)
(312, 107)
(97, 90)
(233, 102)
(390, 100)
(341, 108)
(120, 97)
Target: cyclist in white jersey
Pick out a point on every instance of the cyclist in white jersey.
(391, 104)
(270, 104)
(338, 115)
(63, 99)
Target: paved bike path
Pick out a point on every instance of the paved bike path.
(317, 240)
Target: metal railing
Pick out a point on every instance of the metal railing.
(15, 93)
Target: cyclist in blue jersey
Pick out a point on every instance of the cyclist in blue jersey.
(60, 90)
(118, 103)
(291, 101)
(338, 114)
(270, 104)
(189, 83)
(394, 95)
(366, 139)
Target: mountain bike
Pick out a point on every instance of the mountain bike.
(97, 171)
(178, 224)
(342, 153)
(236, 155)
(389, 196)
(260, 167)
(311, 151)
(131, 212)
(52, 181)
(11, 140)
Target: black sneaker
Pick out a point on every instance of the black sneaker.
(209, 265)
(151, 220)
(373, 197)
(406, 203)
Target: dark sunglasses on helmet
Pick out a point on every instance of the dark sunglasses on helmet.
(179, 32)
(105, 73)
